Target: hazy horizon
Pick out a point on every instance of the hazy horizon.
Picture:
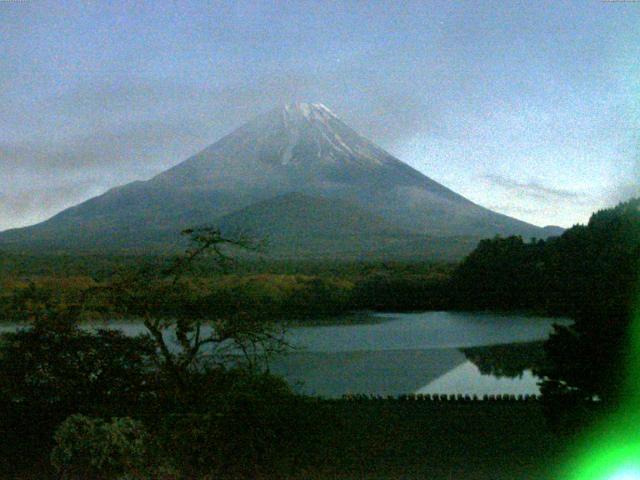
(528, 109)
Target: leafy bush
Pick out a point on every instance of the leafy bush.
(60, 366)
(88, 447)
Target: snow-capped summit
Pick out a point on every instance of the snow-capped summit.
(309, 110)
(304, 137)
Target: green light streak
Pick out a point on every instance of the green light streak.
(612, 450)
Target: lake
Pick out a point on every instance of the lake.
(430, 352)
(400, 353)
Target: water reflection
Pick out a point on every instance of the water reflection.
(468, 380)
(385, 372)
(395, 372)
(433, 352)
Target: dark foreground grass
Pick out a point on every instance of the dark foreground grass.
(412, 440)
(429, 440)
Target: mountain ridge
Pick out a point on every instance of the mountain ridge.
(302, 148)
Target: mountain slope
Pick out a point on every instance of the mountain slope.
(300, 226)
(296, 224)
(300, 215)
(300, 148)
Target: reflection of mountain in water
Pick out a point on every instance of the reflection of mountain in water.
(466, 379)
(506, 360)
(495, 369)
(388, 372)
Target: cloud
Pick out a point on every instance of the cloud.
(513, 209)
(534, 189)
(43, 177)
(624, 192)
(140, 147)
(627, 187)
(28, 206)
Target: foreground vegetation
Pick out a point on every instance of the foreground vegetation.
(80, 404)
(315, 439)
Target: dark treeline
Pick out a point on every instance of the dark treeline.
(589, 274)
(506, 360)
(589, 268)
(104, 267)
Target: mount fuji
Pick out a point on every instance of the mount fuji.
(297, 174)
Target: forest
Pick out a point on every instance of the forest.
(281, 290)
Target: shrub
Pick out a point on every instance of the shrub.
(65, 368)
(87, 447)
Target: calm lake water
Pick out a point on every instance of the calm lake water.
(394, 354)
(402, 353)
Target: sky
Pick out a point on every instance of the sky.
(529, 108)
